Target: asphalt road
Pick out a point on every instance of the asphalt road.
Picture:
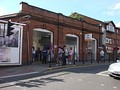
(76, 78)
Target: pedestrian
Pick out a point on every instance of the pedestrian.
(33, 54)
(38, 54)
(65, 55)
(44, 53)
(60, 55)
(70, 55)
(102, 55)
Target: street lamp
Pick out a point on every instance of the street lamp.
(99, 39)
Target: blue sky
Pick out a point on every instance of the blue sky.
(103, 10)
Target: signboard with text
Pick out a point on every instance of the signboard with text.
(88, 37)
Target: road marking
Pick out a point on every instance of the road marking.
(102, 73)
(102, 85)
(18, 75)
(17, 86)
(12, 83)
(80, 79)
(114, 87)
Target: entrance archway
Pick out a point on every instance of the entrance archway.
(42, 37)
(93, 47)
(73, 41)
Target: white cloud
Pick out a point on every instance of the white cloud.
(113, 10)
(118, 24)
(116, 6)
(2, 11)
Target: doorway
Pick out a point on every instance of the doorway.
(73, 42)
(42, 38)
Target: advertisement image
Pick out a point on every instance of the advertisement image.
(10, 43)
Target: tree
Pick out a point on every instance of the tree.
(76, 16)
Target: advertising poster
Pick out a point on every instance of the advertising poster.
(10, 45)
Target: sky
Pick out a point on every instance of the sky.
(103, 10)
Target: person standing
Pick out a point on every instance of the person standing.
(65, 55)
(44, 53)
(70, 55)
(102, 55)
(60, 55)
(38, 54)
(33, 54)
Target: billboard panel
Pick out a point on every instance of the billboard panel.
(10, 46)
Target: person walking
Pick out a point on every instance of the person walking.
(102, 54)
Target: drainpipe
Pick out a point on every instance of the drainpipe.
(82, 43)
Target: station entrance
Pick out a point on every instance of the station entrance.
(91, 50)
(42, 38)
(72, 41)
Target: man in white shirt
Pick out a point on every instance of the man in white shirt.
(102, 54)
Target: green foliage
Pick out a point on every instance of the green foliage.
(76, 16)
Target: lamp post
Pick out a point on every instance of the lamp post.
(116, 44)
(99, 40)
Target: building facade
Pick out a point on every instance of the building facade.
(49, 29)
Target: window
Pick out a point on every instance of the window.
(107, 40)
(110, 28)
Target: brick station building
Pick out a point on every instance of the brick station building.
(46, 28)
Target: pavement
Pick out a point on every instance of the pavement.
(11, 71)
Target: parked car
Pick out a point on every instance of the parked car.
(114, 69)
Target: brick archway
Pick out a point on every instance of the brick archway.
(73, 41)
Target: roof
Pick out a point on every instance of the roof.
(9, 15)
(107, 22)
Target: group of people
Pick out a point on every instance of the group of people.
(41, 55)
(65, 56)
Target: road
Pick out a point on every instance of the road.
(76, 78)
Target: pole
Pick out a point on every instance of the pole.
(50, 52)
(99, 45)
(28, 61)
(82, 43)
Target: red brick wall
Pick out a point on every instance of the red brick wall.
(59, 24)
